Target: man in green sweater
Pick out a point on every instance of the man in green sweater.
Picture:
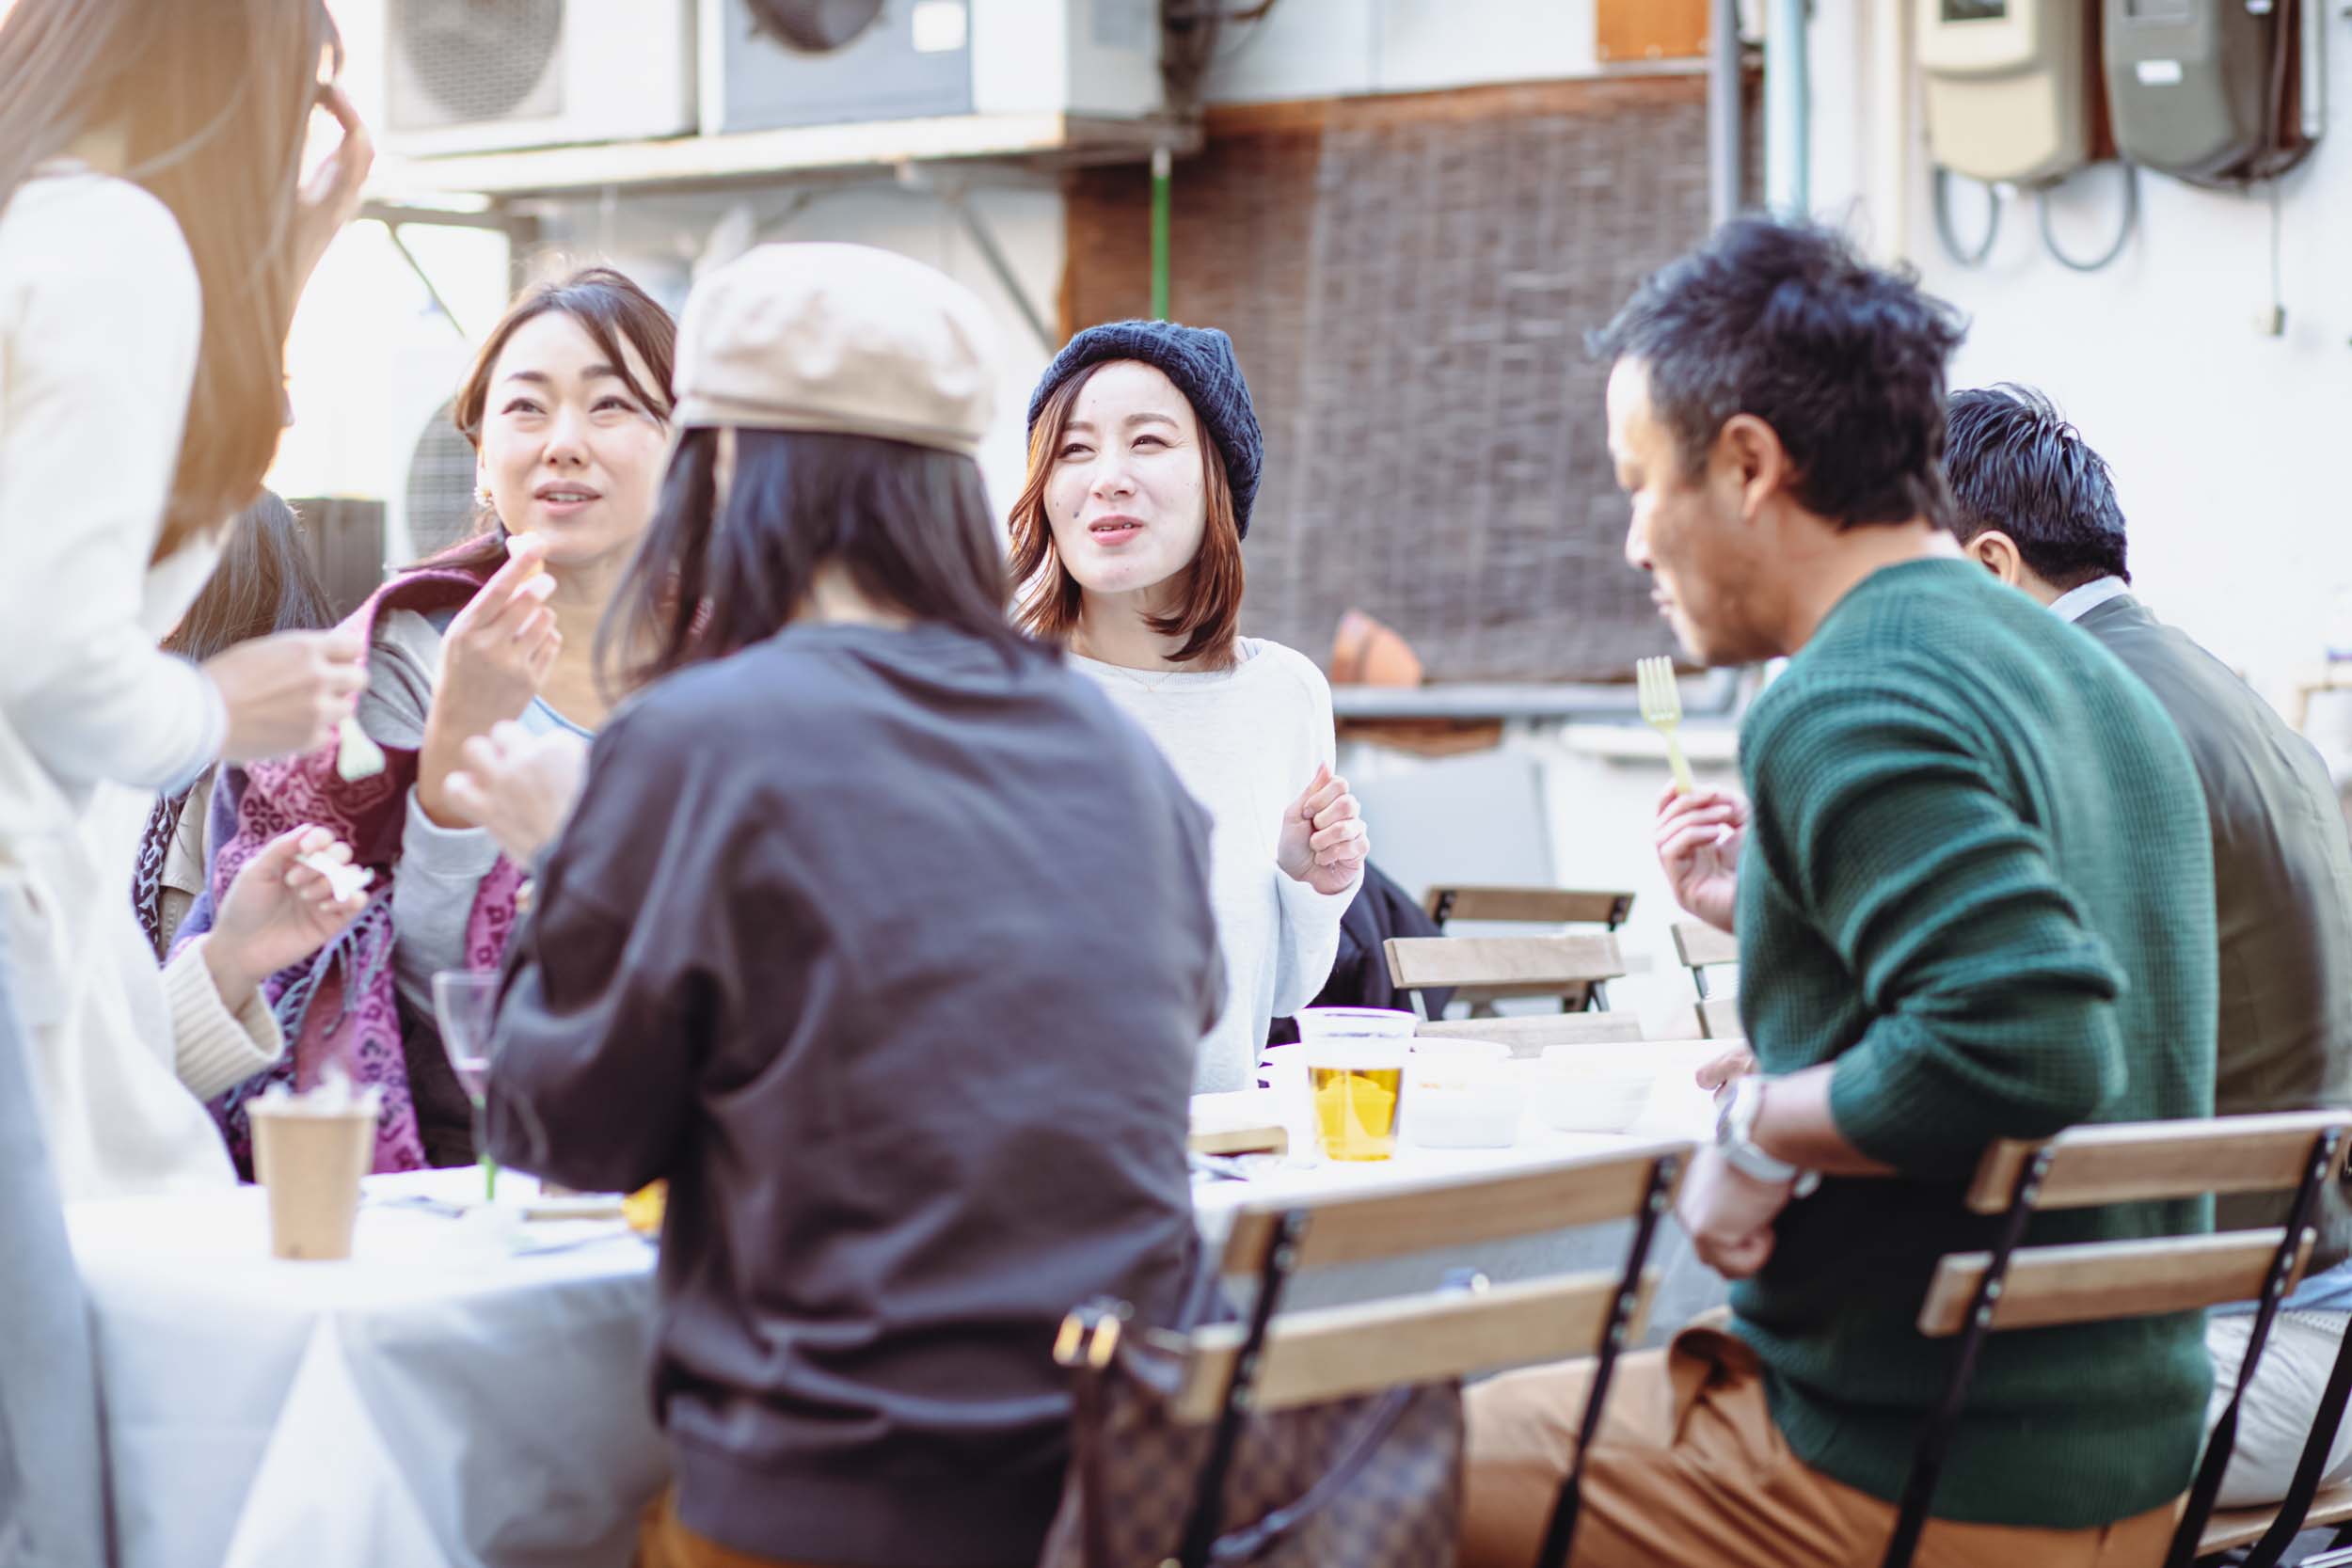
(1974, 901)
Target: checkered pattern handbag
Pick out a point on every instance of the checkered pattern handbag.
(1371, 1482)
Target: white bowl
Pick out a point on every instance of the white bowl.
(1591, 1103)
(1462, 1094)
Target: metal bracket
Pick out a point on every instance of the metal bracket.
(1560, 1532)
(1927, 1462)
(1274, 1272)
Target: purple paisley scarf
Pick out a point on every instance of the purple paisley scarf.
(340, 1004)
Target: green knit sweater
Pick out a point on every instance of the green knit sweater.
(1978, 878)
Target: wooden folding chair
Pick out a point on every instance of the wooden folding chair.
(1482, 971)
(1532, 905)
(1701, 947)
(1973, 1294)
(1278, 1361)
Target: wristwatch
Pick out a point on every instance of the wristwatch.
(1735, 1136)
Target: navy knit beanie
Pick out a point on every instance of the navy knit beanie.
(1199, 359)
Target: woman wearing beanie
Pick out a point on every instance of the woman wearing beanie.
(878, 933)
(1144, 456)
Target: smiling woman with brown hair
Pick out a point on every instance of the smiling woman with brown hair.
(1144, 454)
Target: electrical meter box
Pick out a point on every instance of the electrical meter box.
(2189, 81)
(2010, 87)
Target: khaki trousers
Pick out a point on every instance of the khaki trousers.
(1688, 1469)
(664, 1542)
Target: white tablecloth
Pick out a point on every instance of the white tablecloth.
(435, 1399)
(429, 1401)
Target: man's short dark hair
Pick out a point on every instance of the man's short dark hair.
(1843, 359)
(2017, 465)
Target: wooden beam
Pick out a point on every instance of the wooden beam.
(1699, 945)
(2094, 1281)
(1330, 1352)
(1527, 1037)
(2131, 1162)
(1537, 905)
(1503, 966)
(1454, 1210)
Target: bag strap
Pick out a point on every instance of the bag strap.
(2223, 1440)
(2297, 1502)
(1379, 1425)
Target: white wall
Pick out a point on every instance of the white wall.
(1331, 48)
(2226, 442)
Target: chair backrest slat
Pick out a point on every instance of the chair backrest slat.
(1529, 906)
(1454, 1210)
(1718, 1018)
(1528, 1035)
(2139, 1160)
(1529, 966)
(1699, 945)
(2097, 1281)
(1330, 1352)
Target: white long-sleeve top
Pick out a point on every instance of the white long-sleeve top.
(1246, 741)
(100, 320)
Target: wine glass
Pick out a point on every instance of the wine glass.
(466, 1004)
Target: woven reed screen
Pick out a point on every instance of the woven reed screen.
(1409, 281)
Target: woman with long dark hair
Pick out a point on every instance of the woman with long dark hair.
(156, 229)
(567, 406)
(878, 933)
(264, 584)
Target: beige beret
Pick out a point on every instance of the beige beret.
(839, 338)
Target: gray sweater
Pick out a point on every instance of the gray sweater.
(891, 952)
(440, 868)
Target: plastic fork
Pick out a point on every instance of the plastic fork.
(1661, 709)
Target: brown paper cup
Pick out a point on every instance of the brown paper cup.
(311, 1165)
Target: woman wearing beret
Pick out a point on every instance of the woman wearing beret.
(1144, 456)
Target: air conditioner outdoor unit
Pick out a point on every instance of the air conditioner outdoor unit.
(767, 64)
(487, 75)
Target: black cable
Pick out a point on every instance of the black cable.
(1943, 220)
(2123, 234)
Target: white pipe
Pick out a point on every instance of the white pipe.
(1788, 96)
(1890, 134)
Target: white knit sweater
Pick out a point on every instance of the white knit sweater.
(1246, 741)
(100, 317)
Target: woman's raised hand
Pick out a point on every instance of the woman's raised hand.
(329, 196)
(495, 656)
(521, 786)
(1324, 841)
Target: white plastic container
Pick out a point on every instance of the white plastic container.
(1583, 1089)
(1460, 1094)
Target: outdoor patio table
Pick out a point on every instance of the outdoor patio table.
(428, 1402)
(437, 1400)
